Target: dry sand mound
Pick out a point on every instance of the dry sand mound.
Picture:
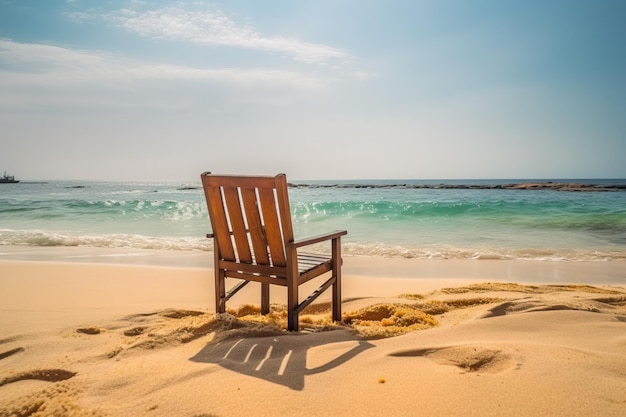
(467, 358)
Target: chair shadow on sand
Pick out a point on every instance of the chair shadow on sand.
(283, 359)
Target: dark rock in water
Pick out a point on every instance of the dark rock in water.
(76, 186)
(546, 185)
(188, 188)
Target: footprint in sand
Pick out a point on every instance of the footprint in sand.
(135, 331)
(11, 352)
(468, 358)
(180, 314)
(89, 330)
(49, 375)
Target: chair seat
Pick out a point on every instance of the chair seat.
(310, 261)
(310, 265)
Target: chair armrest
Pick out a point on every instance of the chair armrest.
(316, 239)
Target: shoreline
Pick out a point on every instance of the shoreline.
(612, 272)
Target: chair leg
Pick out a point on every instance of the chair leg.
(292, 303)
(336, 255)
(220, 280)
(220, 292)
(265, 298)
(292, 290)
(337, 300)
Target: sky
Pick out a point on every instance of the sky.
(317, 89)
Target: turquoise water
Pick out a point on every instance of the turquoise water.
(385, 218)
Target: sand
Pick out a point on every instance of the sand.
(86, 338)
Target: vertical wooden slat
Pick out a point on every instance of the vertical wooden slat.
(283, 207)
(255, 227)
(219, 222)
(237, 222)
(272, 226)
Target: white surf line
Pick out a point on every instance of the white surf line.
(267, 356)
(284, 363)
(250, 353)
(232, 347)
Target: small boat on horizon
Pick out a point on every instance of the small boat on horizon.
(8, 179)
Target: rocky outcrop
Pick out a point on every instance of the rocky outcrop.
(547, 185)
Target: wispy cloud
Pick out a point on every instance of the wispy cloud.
(214, 28)
(39, 73)
(35, 71)
(51, 59)
(34, 57)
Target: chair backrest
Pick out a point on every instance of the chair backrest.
(250, 217)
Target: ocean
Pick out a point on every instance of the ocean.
(435, 219)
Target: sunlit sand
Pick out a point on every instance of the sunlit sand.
(110, 340)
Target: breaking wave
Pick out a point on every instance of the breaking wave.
(351, 248)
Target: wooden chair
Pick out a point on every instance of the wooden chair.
(253, 241)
